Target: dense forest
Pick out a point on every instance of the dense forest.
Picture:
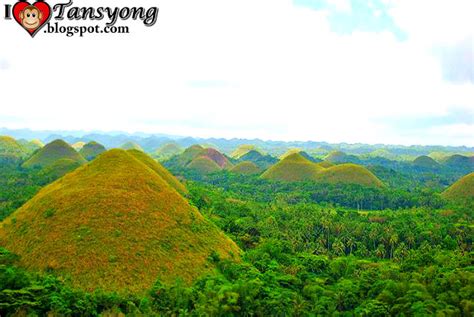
(308, 249)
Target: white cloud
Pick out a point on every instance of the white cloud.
(292, 78)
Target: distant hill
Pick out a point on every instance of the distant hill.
(246, 168)
(325, 164)
(116, 225)
(217, 157)
(301, 152)
(349, 174)
(242, 150)
(168, 150)
(10, 149)
(30, 146)
(131, 146)
(425, 162)
(60, 168)
(51, 153)
(462, 191)
(458, 161)
(91, 150)
(262, 161)
(338, 157)
(78, 145)
(293, 168)
(204, 165)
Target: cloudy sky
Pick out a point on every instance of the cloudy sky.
(375, 71)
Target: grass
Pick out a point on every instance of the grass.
(132, 146)
(91, 150)
(53, 152)
(204, 165)
(10, 147)
(242, 150)
(246, 168)
(425, 162)
(293, 168)
(462, 190)
(114, 224)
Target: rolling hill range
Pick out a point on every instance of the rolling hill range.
(462, 191)
(114, 224)
(296, 167)
(91, 150)
(51, 153)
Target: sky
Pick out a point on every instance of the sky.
(375, 71)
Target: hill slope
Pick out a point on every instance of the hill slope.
(293, 168)
(204, 165)
(131, 146)
(246, 168)
(91, 150)
(462, 190)
(113, 224)
(425, 162)
(53, 152)
(10, 148)
(349, 174)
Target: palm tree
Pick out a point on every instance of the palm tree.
(392, 241)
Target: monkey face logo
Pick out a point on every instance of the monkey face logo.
(32, 17)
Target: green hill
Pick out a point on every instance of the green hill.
(78, 145)
(425, 162)
(60, 168)
(461, 191)
(9, 147)
(30, 146)
(325, 164)
(458, 161)
(91, 150)
(338, 157)
(131, 146)
(167, 150)
(293, 168)
(217, 157)
(160, 170)
(114, 224)
(53, 152)
(190, 154)
(262, 161)
(349, 174)
(242, 150)
(301, 152)
(204, 165)
(246, 168)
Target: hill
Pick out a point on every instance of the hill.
(204, 165)
(349, 174)
(30, 146)
(131, 146)
(78, 145)
(301, 152)
(325, 164)
(339, 157)
(216, 156)
(160, 170)
(168, 150)
(293, 168)
(10, 149)
(60, 168)
(246, 168)
(425, 162)
(242, 150)
(53, 152)
(461, 191)
(91, 150)
(114, 224)
(262, 161)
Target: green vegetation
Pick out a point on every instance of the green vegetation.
(116, 225)
(242, 150)
(132, 146)
(10, 150)
(51, 153)
(91, 150)
(246, 168)
(121, 235)
(167, 151)
(78, 145)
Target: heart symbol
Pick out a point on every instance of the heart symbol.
(32, 17)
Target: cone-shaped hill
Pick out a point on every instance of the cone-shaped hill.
(459, 162)
(246, 168)
(349, 174)
(168, 150)
(461, 191)
(338, 157)
(293, 168)
(114, 224)
(204, 165)
(30, 146)
(425, 162)
(262, 161)
(242, 150)
(301, 152)
(325, 164)
(132, 146)
(160, 170)
(78, 145)
(10, 148)
(53, 152)
(217, 157)
(91, 150)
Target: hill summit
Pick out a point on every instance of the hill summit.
(91, 150)
(114, 224)
(462, 190)
(53, 152)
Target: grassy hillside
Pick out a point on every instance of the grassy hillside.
(246, 168)
(325, 164)
(114, 224)
(425, 162)
(349, 174)
(168, 150)
(10, 147)
(462, 190)
(217, 157)
(262, 161)
(293, 168)
(131, 146)
(204, 165)
(160, 170)
(78, 145)
(91, 150)
(53, 152)
(242, 150)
